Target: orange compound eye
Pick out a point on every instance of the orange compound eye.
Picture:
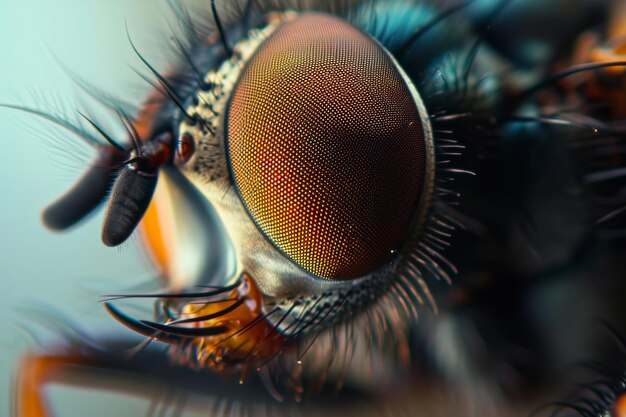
(328, 146)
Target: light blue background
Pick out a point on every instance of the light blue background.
(67, 271)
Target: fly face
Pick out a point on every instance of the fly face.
(296, 177)
(322, 197)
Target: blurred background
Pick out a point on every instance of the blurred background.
(38, 268)
(67, 272)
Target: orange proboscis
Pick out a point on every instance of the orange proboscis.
(250, 339)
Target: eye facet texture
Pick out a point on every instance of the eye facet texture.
(327, 147)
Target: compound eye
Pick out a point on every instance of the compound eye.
(327, 143)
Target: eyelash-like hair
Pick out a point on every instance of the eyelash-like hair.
(454, 102)
(460, 98)
(449, 98)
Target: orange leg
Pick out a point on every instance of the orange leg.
(37, 371)
(148, 374)
(34, 372)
